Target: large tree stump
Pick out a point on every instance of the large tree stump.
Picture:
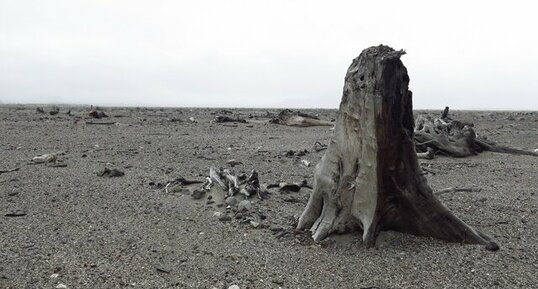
(369, 177)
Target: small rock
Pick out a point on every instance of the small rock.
(225, 218)
(234, 287)
(61, 286)
(12, 193)
(219, 285)
(276, 228)
(217, 214)
(231, 201)
(244, 206)
(254, 224)
(197, 194)
(306, 163)
(191, 119)
(278, 281)
(54, 276)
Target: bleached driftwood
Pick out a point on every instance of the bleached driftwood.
(296, 118)
(455, 138)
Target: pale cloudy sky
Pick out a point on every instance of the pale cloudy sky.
(465, 54)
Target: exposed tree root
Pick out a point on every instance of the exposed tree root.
(454, 138)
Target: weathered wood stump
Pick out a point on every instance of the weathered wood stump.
(369, 177)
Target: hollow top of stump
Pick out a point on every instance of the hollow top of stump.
(383, 52)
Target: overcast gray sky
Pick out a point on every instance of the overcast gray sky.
(465, 54)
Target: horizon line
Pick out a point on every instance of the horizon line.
(238, 107)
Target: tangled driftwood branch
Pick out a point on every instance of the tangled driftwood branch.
(454, 138)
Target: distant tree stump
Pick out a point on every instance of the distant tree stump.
(369, 177)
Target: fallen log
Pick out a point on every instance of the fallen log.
(296, 118)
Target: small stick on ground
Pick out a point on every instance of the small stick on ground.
(166, 187)
(100, 122)
(450, 190)
(9, 170)
(319, 146)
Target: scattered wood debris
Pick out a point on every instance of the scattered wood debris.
(454, 138)
(290, 187)
(292, 153)
(319, 146)
(95, 113)
(296, 118)
(224, 118)
(54, 110)
(222, 111)
(232, 184)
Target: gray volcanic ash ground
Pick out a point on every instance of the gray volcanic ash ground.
(66, 227)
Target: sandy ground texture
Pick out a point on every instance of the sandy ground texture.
(63, 226)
